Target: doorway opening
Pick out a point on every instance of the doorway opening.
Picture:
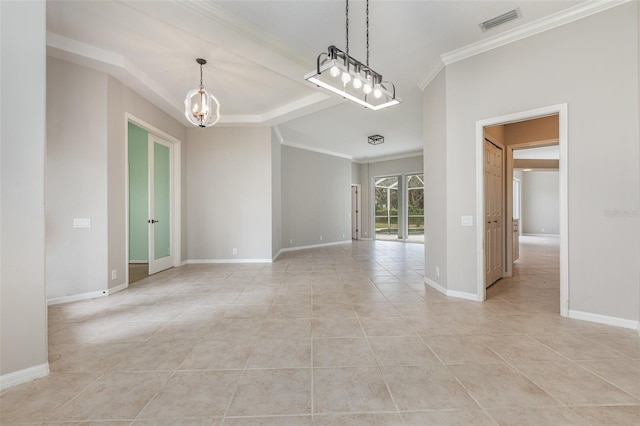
(153, 200)
(399, 207)
(514, 134)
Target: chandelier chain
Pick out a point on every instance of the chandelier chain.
(347, 25)
(201, 85)
(367, 33)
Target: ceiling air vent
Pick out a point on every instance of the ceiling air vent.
(502, 19)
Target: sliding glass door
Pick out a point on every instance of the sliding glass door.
(399, 208)
(415, 208)
(386, 208)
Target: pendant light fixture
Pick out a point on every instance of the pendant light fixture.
(200, 107)
(344, 75)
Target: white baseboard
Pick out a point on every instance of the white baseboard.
(24, 376)
(192, 261)
(315, 246)
(435, 285)
(452, 293)
(117, 288)
(277, 255)
(77, 297)
(541, 235)
(605, 319)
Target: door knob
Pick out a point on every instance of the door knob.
(153, 221)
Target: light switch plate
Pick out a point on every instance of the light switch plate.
(82, 222)
(467, 220)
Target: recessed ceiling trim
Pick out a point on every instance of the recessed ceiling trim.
(86, 50)
(117, 66)
(530, 29)
(317, 150)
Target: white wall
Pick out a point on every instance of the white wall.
(541, 202)
(596, 74)
(76, 179)
(23, 314)
(122, 100)
(435, 172)
(316, 198)
(382, 168)
(229, 193)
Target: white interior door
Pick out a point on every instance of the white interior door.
(493, 202)
(161, 195)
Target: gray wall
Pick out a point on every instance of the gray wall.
(23, 314)
(494, 84)
(229, 193)
(316, 198)
(87, 171)
(122, 100)
(276, 195)
(541, 202)
(435, 178)
(355, 173)
(76, 179)
(382, 168)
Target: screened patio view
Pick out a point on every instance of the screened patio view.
(399, 208)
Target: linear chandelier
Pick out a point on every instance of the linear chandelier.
(344, 75)
(205, 113)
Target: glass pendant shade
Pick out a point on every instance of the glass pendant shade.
(201, 108)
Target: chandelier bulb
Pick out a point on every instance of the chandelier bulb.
(334, 71)
(377, 92)
(367, 89)
(357, 83)
(346, 77)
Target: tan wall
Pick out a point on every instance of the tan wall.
(539, 129)
(496, 133)
(524, 163)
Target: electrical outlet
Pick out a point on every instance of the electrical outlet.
(114, 274)
(290, 241)
(437, 271)
(234, 251)
(342, 235)
(320, 237)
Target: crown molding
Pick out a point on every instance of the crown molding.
(389, 157)
(437, 66)
(278, 133)
(530, 29)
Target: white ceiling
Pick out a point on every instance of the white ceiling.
(259, 51)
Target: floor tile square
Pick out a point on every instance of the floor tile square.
(272, 392)
(343, 390)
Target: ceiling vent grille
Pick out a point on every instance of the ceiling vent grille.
(502, 19)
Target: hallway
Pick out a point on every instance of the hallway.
(341, 335)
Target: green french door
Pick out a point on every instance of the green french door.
(160, 220)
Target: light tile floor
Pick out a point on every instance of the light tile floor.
(346, 335)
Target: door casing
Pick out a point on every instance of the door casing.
(176, 210)
(562, 111)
